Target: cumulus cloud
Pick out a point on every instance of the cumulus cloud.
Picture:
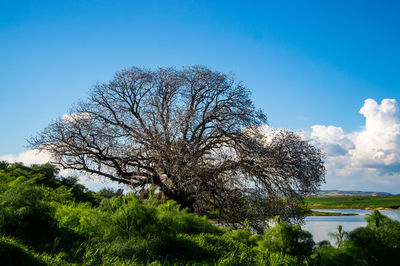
(378, 145)
(372, 152)
(28, 157)
(332, 138)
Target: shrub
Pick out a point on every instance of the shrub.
(287, 239)
(24, 215)
(328, 255)
(14, 253)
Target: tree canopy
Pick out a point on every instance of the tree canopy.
(192, 134)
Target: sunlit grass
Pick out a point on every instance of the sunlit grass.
(353, 202)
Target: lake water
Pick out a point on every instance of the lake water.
(320, 226)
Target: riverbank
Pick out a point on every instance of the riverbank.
(353, 202)
(319, 213)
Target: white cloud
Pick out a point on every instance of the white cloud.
(378, 145)
(332, 138)
(27, 157)
(371, 154)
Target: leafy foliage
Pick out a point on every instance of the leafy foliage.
(25, 215)
(339, 236)
(379, 241)
(376, 244)
(43, 221)
(288, 239)
(14, 253)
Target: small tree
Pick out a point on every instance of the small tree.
(194, 135)
(288, 239)
(340, 236)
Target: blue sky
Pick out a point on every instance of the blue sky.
(307, 63)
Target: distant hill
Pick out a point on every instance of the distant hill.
(353, 193)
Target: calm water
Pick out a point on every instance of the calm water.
(320, 226)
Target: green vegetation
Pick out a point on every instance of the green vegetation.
(319, 213)
(45, 220)
(352, 202)
(376, 244)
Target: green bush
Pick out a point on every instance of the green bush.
(147, 229)
(287, 239)
(174, 220)
(24, 215)
(45, 220)
(212, 246)
(245, 237)
(376, 244)
(13, 252)
(336, 256)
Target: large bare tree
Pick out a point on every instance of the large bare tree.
(193, 134)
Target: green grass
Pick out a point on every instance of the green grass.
(318, 213)
(352, 202)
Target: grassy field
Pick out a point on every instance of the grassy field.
(318, 213)
(352, 202)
